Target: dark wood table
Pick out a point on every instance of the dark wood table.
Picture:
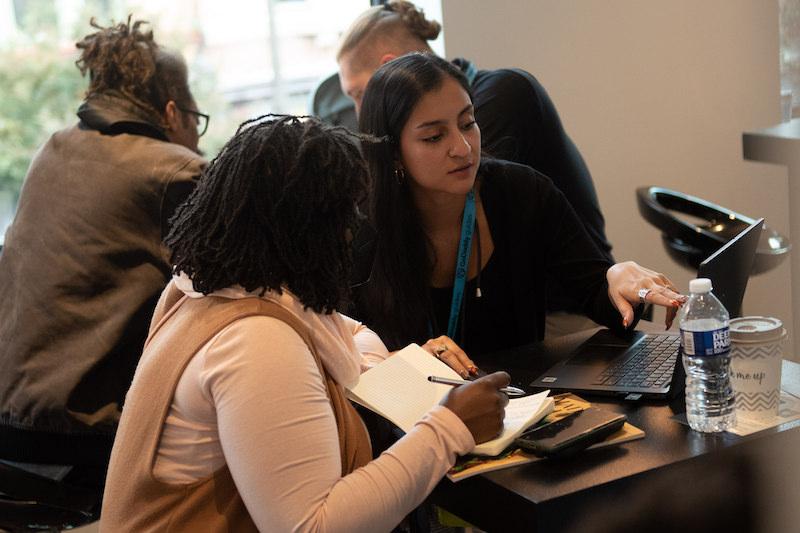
(553, 495)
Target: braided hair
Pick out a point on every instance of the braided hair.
(397, 22)
(276, 209)
(125, 59)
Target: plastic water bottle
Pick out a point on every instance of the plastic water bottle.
(706, 345)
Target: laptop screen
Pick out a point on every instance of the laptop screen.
(729, 267)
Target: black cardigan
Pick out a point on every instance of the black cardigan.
(546, 240)
(537, 236)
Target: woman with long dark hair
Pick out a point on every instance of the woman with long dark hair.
(465, 242)
(236, 419)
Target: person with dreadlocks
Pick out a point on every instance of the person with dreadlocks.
(83, 262)
(236, 419)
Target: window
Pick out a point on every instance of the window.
(790, 56)
(245, 57)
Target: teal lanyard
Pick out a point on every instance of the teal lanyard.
(462, 263)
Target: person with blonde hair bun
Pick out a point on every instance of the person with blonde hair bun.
(517, 118)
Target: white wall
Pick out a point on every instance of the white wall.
(653, 93)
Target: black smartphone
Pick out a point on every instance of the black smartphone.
(571, 434)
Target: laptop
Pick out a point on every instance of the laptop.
(638, 365)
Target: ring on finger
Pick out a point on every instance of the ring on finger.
(439, 350)
(643, 294)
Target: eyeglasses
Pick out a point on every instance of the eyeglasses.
(201, 118)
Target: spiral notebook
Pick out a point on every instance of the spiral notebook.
(643, 365)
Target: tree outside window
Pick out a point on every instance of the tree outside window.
(245, 57)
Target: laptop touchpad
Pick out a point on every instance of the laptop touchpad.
(593, 355)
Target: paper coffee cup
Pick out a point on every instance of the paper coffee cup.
(756, 356)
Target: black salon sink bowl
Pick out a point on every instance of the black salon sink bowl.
(693, 228)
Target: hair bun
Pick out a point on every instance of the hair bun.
(414, 19)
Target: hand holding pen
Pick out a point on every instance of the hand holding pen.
(480, 405)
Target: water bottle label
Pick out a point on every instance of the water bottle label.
(713, 342)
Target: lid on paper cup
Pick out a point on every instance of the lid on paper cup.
(756, 329)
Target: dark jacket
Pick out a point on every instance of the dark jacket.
(82, 268)
(519, 123)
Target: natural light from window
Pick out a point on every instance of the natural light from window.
(245, 57)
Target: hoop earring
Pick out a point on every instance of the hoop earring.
(399, 176)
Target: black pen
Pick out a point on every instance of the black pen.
(511, 391)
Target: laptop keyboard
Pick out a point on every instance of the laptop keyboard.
(649, 364)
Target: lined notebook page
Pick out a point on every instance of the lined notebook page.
(398, 388)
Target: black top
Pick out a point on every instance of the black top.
(488, 319)
(537, 237)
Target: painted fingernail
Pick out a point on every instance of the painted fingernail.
(473, 370)
(624, 322)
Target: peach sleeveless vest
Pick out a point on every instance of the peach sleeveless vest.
(134, 500)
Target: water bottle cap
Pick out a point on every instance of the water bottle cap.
(700, 285)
